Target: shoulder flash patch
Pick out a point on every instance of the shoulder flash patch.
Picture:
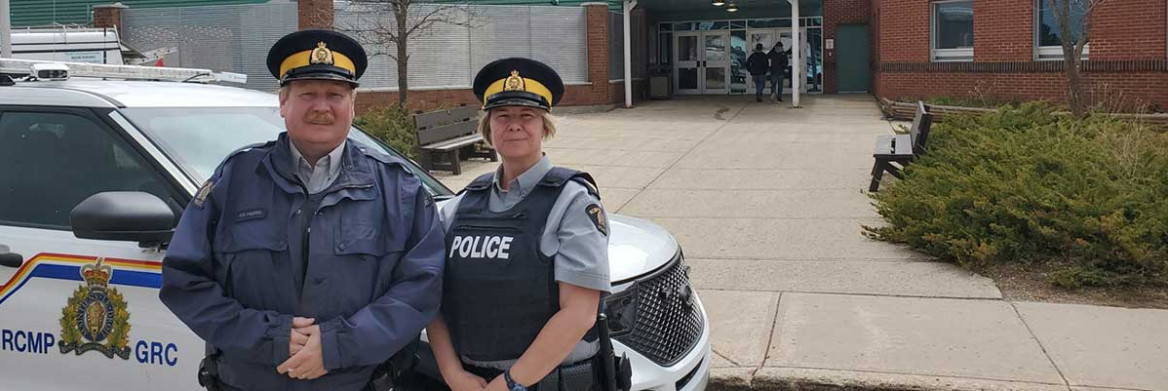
(596, 214)
(204, 192)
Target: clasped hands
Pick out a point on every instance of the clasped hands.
(306, 359)
(466, 381)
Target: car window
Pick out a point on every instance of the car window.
(198, 139)
(50, 162)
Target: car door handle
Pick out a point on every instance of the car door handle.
(10, 259)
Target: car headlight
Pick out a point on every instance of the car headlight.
(657, 315)
(621, 309)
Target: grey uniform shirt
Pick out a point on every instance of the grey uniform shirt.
(318, 178)
(579, 249)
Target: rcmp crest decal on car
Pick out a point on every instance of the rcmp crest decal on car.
(95, 317)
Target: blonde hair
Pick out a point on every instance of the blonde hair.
(549, 125)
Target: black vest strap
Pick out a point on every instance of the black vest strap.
(483, 182)
(558, 176)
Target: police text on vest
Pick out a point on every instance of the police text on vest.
(480, 246)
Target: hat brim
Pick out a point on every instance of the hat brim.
(318, 76)
(517, 98)
(515, 102)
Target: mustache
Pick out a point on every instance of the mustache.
(319, 118)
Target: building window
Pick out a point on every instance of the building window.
(1048, 35)
(952, 30)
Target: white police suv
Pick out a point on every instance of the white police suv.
(79, 305)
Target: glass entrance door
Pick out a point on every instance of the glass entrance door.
(687, 65)
(804, 53)
(702, 65)
(717, 62)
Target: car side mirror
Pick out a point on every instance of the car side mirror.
(125, 216)
(10, 259)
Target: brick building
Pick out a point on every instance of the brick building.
(1006, 50)
(1000, 50)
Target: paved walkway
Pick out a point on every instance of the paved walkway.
(768, 204)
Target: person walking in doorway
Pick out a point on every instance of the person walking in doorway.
(758, 65)
(779, 66)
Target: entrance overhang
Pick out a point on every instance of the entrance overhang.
(720, 9)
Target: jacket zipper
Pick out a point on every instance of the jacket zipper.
(307, 238)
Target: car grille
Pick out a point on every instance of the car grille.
(668, 321)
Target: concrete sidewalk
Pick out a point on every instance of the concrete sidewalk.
(768, 203)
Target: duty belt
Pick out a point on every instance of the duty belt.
(581, 376)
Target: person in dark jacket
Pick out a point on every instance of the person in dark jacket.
(779, 67)
(758, 65)
(527, 259)
(307, 262)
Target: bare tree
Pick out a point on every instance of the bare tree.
(1065, 13)
(389, 25)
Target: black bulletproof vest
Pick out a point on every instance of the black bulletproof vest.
(499, 290)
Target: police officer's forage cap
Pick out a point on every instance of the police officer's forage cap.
(518, 82)
(317, 55)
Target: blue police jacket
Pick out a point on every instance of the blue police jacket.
(235, 272)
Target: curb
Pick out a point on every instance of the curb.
(590, 109)
(750, 379)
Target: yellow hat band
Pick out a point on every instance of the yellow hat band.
(302, 59)
(529, 85)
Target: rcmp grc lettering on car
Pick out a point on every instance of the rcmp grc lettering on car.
(95, 319)
(481, 246)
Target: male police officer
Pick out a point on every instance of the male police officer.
(306, 262)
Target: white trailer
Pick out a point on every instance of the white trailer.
(70, 44)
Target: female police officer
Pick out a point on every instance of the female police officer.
(527, 254)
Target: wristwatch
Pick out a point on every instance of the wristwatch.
(511, 383)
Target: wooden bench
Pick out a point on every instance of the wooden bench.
(893, 152)
(445, 137)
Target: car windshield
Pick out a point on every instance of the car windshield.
(198, 139)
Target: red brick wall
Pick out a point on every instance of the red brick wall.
(574, 95)
(417, 100)
(1003, 30)
(1124, 89)
(904, 31)
(596, 20)
(835, 13)
(108, 17)
(315, 14)
(1127, 60)
(1129, 29)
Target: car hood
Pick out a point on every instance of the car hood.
(637, 247)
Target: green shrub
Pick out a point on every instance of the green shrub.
(1019, 185)
(392, 125)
